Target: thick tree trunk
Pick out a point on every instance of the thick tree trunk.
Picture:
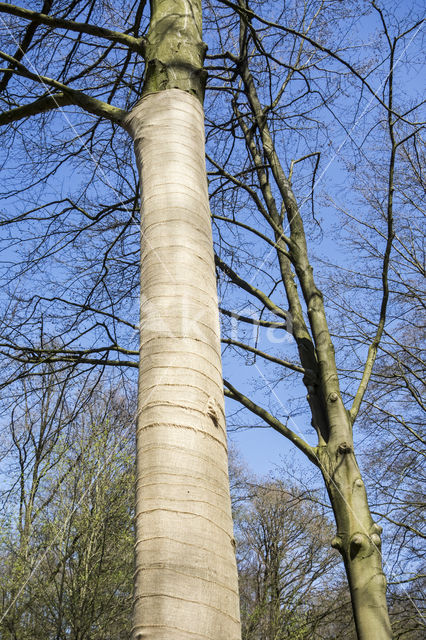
(186, 580)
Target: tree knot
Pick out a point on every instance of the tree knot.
(212, 410)
(376, 528)
(337, 543)
(357, 542)
(375, 532)
(360, 542)
(344, 448)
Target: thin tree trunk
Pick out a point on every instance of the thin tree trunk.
(358, 537)
(185, 580)
(358, 540)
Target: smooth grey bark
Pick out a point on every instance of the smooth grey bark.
(185, 579)
(174, 51)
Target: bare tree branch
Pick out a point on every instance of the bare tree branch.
(310, 452)
(135, 44)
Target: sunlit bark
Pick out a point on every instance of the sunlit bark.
(186, 580)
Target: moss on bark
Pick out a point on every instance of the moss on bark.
(175, 49)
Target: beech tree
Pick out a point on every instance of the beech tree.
(185, 573)
(277, 195)
(186, 578)
(85, 75)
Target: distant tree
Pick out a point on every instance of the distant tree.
(291, 582)
(68, 573)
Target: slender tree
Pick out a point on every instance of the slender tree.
(262, 107)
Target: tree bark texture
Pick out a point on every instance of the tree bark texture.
(174, 50)
(186, 579)
(186, 584)
(358, 537)
(358, 540)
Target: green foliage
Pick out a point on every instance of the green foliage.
(71, 576)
